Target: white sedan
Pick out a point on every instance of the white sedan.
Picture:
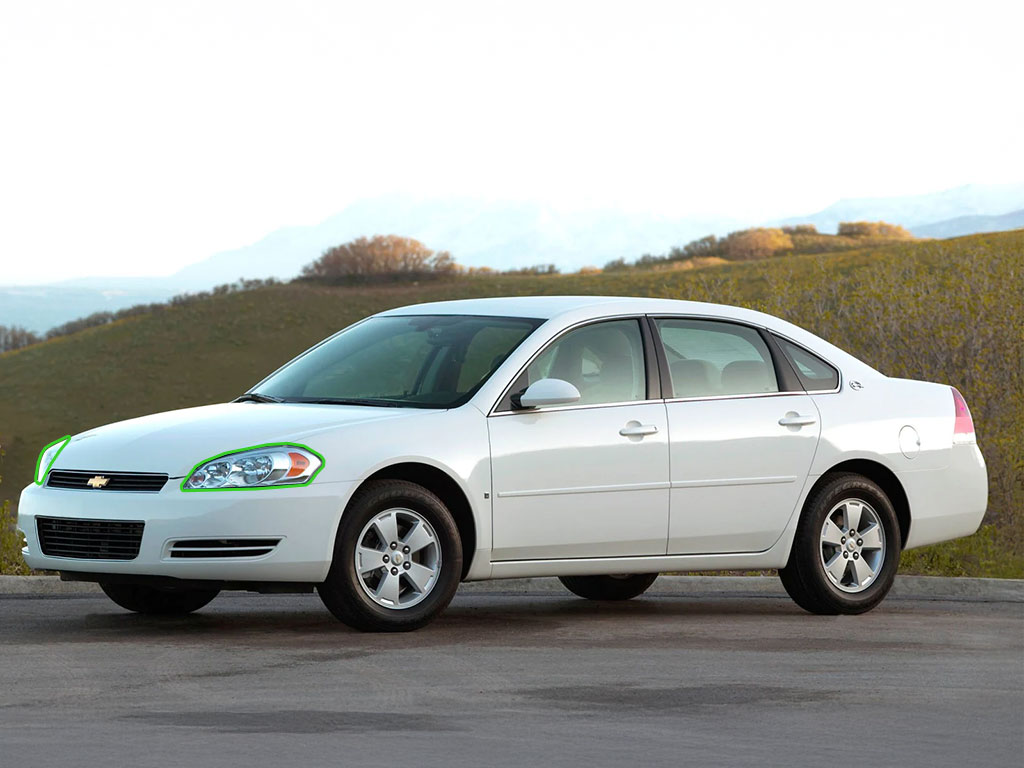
(601, 440)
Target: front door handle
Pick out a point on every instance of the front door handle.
(636, 429)
(793, 419)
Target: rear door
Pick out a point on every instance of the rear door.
(742, 436)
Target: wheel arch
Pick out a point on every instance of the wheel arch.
(445, 487)
(885, 478)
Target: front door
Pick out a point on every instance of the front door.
(591, 479)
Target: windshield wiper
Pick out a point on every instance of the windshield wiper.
(352, 401)
(256, 397)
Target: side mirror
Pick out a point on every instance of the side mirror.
(547, 392)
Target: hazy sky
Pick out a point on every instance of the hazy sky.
(137, 137)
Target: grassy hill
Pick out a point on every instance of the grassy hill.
(948, 311)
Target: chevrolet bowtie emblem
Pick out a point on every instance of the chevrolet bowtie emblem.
(98, 482)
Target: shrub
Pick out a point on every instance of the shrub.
(16, 337)
(752, 244)
(705, 246)
(801, 229)
(873, 229)
(381, 258)
(536, 269)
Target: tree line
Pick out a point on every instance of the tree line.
(765, 242)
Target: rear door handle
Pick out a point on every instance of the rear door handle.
(796, 420)
(634, 429)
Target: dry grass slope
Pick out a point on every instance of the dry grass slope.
(948, 311)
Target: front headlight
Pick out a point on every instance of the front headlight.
(48, 456)
(263, 466)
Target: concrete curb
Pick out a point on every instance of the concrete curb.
(906, 587)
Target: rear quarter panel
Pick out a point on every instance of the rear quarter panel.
(946, 485)
(866, 423)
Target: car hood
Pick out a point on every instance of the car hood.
(175, 441)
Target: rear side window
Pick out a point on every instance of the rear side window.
(814, 373)
(707, 358)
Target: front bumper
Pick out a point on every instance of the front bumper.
(305, 519)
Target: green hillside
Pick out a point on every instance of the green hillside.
(947, 311)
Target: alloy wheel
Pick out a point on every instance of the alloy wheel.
(397, 558)
(852, 545)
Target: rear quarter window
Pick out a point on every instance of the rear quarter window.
(814, 373)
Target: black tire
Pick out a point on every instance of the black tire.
(342, 591)
(804, 576)
(156, 601)
(623, 587)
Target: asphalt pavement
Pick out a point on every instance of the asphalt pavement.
(534, 678)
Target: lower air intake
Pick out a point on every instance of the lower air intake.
(89, 539)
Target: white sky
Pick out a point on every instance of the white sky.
(138, 137)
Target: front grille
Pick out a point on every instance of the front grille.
(223, 547)
(140, 482)
(90, 539)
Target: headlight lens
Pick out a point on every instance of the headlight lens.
(48, 456)
(265, 466)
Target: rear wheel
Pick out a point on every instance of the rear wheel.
(142, 598)
(846, 550)
(397, 559)
(620, 587)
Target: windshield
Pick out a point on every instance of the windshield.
(421, 361)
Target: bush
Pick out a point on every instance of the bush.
(801, 229)
(705, 246)
(752, 244)
(818, 243)
(873, 229)
(16, 337)
(382, 258)
(536, 269)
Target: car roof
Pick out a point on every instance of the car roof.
(548, 307)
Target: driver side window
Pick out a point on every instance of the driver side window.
(604, 361)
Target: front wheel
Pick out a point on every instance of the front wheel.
(846, 550)
(155, 601)
(624, 587)
(397, 559)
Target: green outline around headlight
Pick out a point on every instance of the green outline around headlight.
(323, 463)
(39, 459)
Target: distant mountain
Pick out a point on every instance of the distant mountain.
(40, 307)
(918, 210)
(970, 225)
(477, 233)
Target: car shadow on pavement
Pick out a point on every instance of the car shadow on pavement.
(481, 619)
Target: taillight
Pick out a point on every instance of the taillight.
(963, 426)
